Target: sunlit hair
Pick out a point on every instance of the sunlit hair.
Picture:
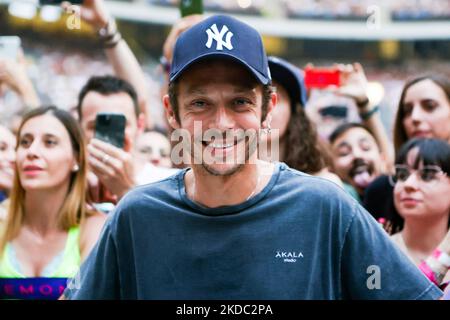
(74, 208)
(400, 136)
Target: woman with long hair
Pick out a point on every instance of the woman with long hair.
(49, 229)
(423, 112)
(299, 144)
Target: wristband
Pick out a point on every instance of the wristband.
(366, 115)
(113, 42)
(109, 35)
(109, 30)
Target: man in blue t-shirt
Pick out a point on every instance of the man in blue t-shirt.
(232, 226)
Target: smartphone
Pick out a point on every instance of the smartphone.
(188, 7)
(58, 2)
(321, 77)
(110, 127)
(9, 47)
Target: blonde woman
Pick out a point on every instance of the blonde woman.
(49, 229)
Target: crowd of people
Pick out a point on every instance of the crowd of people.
(404, 10)
(218, 216)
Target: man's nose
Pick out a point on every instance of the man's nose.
(358, 154)
(223, 119)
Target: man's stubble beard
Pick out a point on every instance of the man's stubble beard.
(251, 146)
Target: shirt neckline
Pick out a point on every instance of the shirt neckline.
(226, 210)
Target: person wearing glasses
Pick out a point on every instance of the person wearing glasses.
(423, 112)
(421, 188)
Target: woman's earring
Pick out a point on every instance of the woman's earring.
(75, 168)
(268, 129)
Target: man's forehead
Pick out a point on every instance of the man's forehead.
(220, 69)
(353, 135)
(95, 102)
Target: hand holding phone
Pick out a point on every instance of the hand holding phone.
(190, 7)
(110, 128)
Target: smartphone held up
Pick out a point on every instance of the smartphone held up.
(190, 7)
(321, 77)
(110, 128)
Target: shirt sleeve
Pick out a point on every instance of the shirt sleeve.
(374, 268)
(98, 276)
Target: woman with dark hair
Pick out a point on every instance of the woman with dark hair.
(49, 229)
(422, 186)
(423, 112)
(299, 145)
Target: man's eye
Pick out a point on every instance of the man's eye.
(342, 152)
(199, 103)
(365, 145)
(242, 102)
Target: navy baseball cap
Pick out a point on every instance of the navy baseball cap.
(221, 36)
(290, 77)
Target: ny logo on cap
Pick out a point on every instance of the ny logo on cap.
(214, 34)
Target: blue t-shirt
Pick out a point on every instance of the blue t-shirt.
(301, 237)
(2, 196)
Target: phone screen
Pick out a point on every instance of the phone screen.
(188, 7)
(110, 128)
(9, 47)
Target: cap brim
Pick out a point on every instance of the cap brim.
(260, 77)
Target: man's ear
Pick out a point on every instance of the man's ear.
(170, 114)
(270, 108)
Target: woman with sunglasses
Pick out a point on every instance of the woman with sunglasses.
(422, 186)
